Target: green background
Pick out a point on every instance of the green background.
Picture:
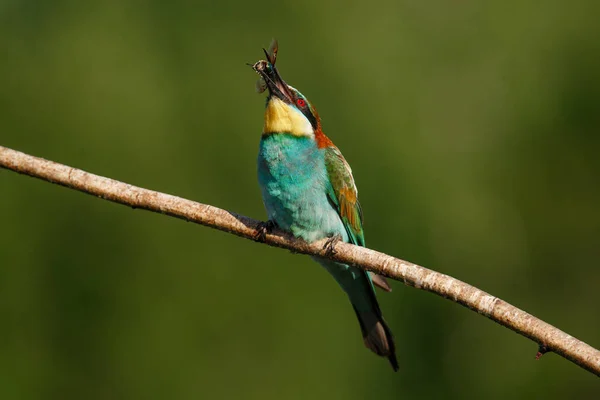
(473, 131)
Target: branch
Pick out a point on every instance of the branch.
(547, 336)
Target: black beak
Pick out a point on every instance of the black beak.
(277, 86)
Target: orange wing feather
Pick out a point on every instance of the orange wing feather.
(346, 198)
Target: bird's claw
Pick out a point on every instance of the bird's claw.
(262, 229)
(329, 245)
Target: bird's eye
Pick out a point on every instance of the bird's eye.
(301, 102)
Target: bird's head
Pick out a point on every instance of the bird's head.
(287, 111)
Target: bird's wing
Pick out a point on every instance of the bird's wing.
(343, 195)
(344, 198)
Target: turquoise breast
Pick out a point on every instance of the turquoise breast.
(294, 185)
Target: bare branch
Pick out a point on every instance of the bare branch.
(547, 336)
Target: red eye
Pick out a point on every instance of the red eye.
(301, 102)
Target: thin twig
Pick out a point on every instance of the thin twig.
(547, 336)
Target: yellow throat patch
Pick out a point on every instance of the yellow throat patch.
(284, 118)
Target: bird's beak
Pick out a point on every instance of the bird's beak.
(277, 87)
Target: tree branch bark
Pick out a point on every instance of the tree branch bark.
(547, 336)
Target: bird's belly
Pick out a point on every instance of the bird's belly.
(309, 217)
(300, 206)
(293, 182)
(306, 214)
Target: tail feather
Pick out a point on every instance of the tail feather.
(380, 281)
(358, 286)
(377, 336)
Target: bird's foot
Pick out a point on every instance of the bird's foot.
(329, 245)
(263, 229)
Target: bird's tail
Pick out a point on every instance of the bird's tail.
(377, 335)
(358, 286)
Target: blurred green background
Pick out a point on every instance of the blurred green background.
(473, 131)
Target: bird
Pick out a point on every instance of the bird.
(308, 190)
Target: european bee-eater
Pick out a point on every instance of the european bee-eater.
(308, 190)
